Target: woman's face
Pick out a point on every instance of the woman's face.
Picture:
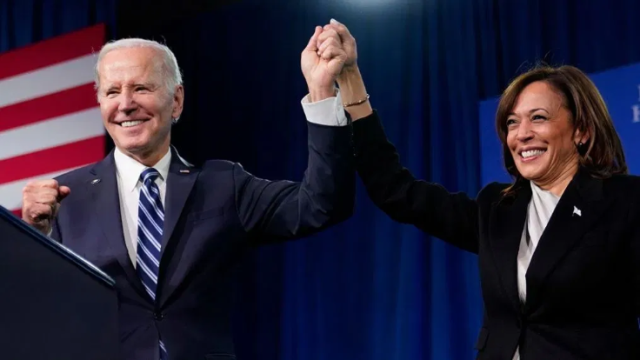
(541, 136)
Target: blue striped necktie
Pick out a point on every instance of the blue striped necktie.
(150, 225)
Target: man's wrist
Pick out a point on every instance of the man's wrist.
(321, 93)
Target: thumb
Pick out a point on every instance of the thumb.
(63, 192)
(312, 45)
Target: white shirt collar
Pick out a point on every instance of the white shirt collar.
(129, 170)
(548, 195)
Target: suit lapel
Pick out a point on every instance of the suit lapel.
(180, 181)
(506, 226)
(104, 193)
(577, 211)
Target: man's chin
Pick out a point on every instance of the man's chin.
(134, 148)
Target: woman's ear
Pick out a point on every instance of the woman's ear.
(581, 137)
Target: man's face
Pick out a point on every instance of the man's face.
(136, 106)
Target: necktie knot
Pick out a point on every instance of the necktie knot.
(149, 175)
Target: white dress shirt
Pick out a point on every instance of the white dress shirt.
(128, 173)
(541, 207)
(329, 112)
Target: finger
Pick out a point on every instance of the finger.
(332, 52)
(342, 30)
(38, 193)
(329, 42)
(39, 212)
(50, 183)
(46, 199)
(40, 184)
(63, 192)
(312, 45)
(328, 34)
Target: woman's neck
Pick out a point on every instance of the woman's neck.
(558, 184)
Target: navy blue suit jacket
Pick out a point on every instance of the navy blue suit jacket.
(213, 215)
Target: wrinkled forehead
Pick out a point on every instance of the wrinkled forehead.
(129, 66)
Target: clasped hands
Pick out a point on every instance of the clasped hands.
(330, 53)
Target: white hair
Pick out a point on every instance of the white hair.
(172, 76)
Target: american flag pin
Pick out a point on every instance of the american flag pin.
(95, 181)
(184, 171)
(577, 211)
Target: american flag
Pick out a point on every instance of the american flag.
(49, 117)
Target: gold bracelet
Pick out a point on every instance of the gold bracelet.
(357, 102)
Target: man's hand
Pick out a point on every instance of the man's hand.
(322, 65)
(40, 203)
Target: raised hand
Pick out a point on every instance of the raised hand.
(347, 40)
(40, 203)
(352, 89)
(321, 66)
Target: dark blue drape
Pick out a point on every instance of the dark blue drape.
(369, 288)
(23, 22)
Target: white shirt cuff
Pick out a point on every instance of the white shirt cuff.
(329, 112)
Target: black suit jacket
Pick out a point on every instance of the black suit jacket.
(213, 215)
(583, 281)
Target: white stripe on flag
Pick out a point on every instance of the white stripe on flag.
(11, 193)
(58, 131)
(48, 80)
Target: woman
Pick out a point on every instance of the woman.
(559, 248)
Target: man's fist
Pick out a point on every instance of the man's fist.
(321, 67)
(40, 203)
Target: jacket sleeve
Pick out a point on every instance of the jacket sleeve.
(452, 217)
(285, 210)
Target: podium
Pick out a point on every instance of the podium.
(54, 305)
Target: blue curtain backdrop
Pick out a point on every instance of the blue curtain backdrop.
(23, 22)
(369, 288)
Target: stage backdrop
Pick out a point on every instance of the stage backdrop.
(369, 288)
(620, 88)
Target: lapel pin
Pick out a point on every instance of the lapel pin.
(577, 211)
(184, 171)
(95, 181)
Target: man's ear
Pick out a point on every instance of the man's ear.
(178, 102)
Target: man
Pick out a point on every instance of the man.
(170, 233)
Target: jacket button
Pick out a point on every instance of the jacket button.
(158, 315)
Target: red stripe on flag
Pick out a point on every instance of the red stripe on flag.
(52, 159)
(52, 51)
(64, 102)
